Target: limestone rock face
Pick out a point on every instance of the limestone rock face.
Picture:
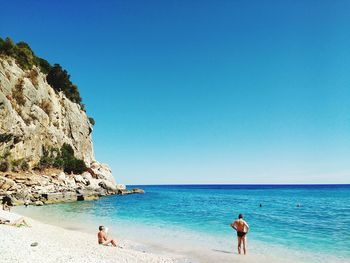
(79, 179)
(33, 115)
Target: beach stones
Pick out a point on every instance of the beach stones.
(39, 203)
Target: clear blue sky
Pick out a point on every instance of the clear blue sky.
(204, 91)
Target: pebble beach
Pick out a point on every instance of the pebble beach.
(59, 245)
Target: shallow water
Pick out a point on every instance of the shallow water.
(296, 223)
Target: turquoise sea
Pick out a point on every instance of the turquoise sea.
(303, 223)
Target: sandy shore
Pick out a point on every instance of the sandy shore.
(57, 245)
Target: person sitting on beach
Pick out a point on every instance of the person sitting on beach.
(12, 219)
(6, 203)
(103, 238)
(240, 226)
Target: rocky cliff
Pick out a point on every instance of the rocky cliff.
(35, 117)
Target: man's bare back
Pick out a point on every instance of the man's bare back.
(242, 229)
(240, 225)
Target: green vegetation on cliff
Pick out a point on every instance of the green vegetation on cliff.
(92, 121)
(57, 77)
(7, 163)
(63, 159)
(23, 54)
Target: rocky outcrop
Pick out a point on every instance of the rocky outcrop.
(55, 186)
(132, 191)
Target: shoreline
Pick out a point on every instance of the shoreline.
(78, 243)
(56, 241)
(58, 244)
(74, 242)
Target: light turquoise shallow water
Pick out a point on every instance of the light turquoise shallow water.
(200, 215)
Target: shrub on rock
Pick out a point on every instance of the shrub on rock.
(74, 165)
(62, 158)
(4, 166)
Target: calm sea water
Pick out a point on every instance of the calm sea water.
(312, 220)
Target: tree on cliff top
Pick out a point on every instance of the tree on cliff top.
(57, 77)
(23, 55)
(59, 80)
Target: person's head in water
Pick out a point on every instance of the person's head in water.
(240, 216)
(101, 228)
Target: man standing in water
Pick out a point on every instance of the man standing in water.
(242, 229)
